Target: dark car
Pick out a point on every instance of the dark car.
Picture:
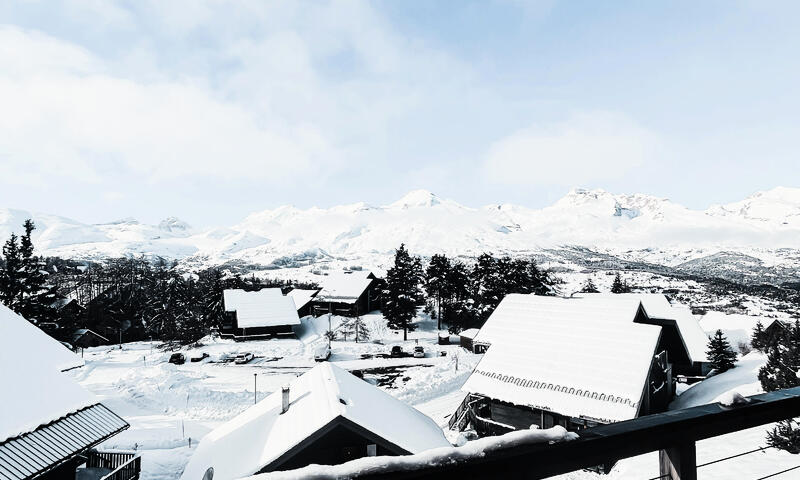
(397, 351)
(177, 358)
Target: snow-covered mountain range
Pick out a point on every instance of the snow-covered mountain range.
(427, 224)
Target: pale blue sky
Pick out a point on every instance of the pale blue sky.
(212, 110)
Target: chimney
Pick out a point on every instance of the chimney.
(285, 398)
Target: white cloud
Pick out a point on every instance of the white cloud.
(62, 114)
(251, 98)
(587, 147)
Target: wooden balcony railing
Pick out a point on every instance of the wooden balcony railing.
(123, 465)
(673, 434)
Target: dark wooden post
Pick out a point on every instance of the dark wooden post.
(679, 462)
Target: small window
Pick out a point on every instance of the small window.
(372, 450)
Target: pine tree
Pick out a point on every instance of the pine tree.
(783, 363)
(360, 330)
(720, 354)
(589, 287)
(619, 286)
(32, 302)
(11, 280)
(210, 284)
(402, 293)
(785, 436)
(436, 282)
(759, 338)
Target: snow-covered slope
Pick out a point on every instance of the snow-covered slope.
(429, 224)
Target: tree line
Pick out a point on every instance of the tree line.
(124, 299)
(457, 294)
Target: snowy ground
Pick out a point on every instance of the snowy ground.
(171, 407)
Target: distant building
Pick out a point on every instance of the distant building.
(85, 338)
(467, 339)
(50, 425)
(574, 362)
(348, 294)
(303, 300)
(262, 314)
(776, 330)
(326, 416)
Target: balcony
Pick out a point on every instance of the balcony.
(110, 465)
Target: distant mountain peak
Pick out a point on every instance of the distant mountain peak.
(173, 224)
(416, 199)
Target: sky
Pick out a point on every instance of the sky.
(211, 110)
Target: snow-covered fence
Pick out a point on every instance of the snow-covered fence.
(672, 434)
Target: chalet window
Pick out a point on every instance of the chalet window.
(372, 450)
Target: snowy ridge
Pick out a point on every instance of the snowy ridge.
(429, 224)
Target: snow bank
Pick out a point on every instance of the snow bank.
(741, 380)
(435, 457)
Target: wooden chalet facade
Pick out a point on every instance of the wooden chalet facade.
(263, 314)
(348, 294)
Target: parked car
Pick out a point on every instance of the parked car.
(177, 358)
(419, 352)
(397, 351)
(199, 358)
(322, 353)
(243, 358)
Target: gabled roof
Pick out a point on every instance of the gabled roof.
(44, 448)
(344, 287)
(469, 333)
(261, 435)
(267, 307)
(695, 340)
(576, 357)
(83, 331)
(26, 340)
(47, 417)
(302, 297)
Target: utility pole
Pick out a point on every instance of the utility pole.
(330, 313)
(255, 388)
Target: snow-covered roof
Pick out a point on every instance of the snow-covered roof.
(261, 434)
(657, 306)
(26, 340)
(267, 307)
(35, 390)
(574, 356)
(469, 333)
(344, 287)
(83, 331)
(302, 297)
